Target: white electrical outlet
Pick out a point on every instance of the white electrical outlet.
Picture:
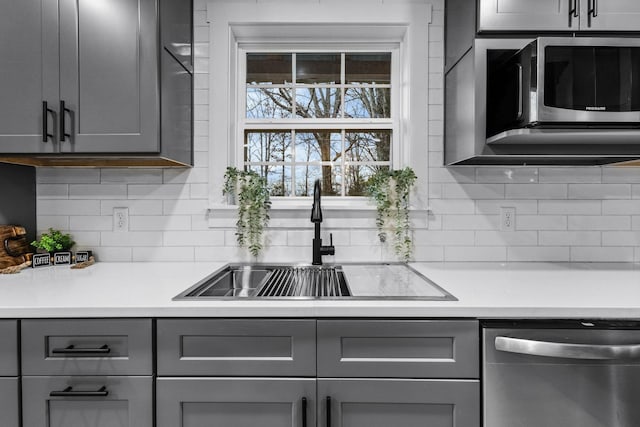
(120, 219)
(507, 218)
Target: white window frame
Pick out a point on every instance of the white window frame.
(329, 24)
(391, 123)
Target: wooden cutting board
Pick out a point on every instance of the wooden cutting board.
(14, 247)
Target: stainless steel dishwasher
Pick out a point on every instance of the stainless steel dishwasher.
(561, 374)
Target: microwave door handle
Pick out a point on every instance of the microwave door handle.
(567, 350)
(520, 94)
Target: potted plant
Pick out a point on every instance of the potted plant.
(390, 191)
(250, 192)
(54, 241)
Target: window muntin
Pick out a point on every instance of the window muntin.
(318, 115)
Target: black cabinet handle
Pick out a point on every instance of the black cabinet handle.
(573, 11)
(328, 411)
(45, 121)
(304, 412)
(70, 392)
(71, 349)
(63, 111)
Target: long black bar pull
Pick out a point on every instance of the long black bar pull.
(304, 412)
(70, 392)
(63, 111)
(45, 121)
(328, 411)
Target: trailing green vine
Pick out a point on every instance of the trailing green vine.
(253, 207)
(390, 190)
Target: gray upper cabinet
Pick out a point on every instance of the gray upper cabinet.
(559, 15)
(82, 82)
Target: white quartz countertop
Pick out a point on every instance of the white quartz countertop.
(483, 290)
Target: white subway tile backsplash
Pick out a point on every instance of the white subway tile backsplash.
(605, 222)
(535, 191)
(507, 175)
(599, 191)
(569, 238)
(562, 213)
(97, 191)
(538, 254)
(602, 254)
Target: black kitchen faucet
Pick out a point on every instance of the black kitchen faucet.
(316, 219)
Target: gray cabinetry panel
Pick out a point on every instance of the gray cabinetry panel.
(9, 406)
(612, 15)
(525, 15)
(108, 75)
(406, 403)
(28, 48)
(9, 348)
(222, 347)
(237, 402)
(128, 403)
(57, 347)
(398, 348)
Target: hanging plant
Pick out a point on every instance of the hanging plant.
(390, 190)
(252, 197)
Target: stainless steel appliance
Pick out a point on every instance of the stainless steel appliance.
(569, 374)
(570, 83)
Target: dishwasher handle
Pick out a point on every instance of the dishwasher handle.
(567, 350)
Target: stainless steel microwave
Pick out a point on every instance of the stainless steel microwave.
(565, 83)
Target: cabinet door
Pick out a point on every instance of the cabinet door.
(406, 403)
(108, 76)
(237, 402)
(526, 15)
(28, 74)
(610, 15)
(9, 396)
(9, 348)
(91, 401)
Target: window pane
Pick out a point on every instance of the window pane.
(264, 146)
(265, 103)
(317, 146)
(330, 180)
(317, 68)
(368, 68)
(265, 68)
(368, 146)
(367, 102)
(318, 103)
(357, 176)
(278, 178)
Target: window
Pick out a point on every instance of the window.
(310, 115)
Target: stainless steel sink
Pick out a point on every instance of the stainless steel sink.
(271, 281)
(302, 281)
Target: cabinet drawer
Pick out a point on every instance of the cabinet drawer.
(87, 347)
(87, 401)
(9, 408)
(223, 347)
(8, 348)
(398, 348)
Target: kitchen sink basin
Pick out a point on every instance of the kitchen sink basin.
(303, 281)
(271, 281)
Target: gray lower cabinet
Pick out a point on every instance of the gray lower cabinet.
(87, 401)
(236, 402)
(9, 398)
(398, 402)
(9, 380)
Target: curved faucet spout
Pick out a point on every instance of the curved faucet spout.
(316, 211)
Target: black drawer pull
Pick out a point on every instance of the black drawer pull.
(69, 392)
(328, 411)
(71, 349)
